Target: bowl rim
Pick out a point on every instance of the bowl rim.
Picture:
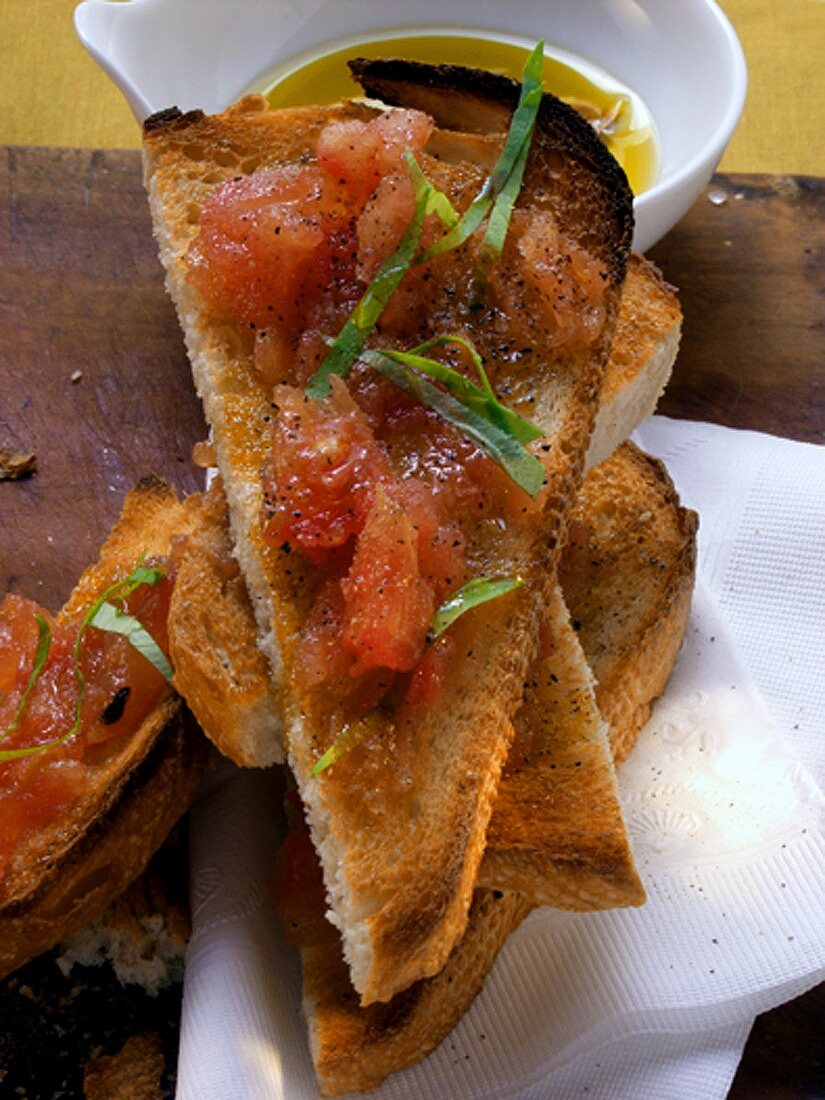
(103, 14)
(710, 152)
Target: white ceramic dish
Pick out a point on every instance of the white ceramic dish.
(681, 56)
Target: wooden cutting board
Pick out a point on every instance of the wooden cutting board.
(95, 383)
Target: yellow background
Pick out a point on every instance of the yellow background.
(52, 93)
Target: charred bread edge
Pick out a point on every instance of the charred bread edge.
(556, 121)
(174, 766)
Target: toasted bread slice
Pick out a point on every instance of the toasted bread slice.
(633, 638)
(641, 357)
(627, 574)
(64, 875)
(219, 668)
(557, 834)
(400, 864)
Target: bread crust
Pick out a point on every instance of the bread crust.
(63, 876)
(213, 644)
(644, 349)
(399, 870)
(632, 599)
(354, 1048)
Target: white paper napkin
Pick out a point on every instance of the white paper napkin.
(726, 822)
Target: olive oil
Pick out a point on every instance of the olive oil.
(617, 113)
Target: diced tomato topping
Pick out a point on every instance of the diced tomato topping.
(359, 154)
(441, 543)
(297, 886)
(18, 640)
(388, 602)
(325, 466)
(331, 482)
(265, 243)
(383, 223)
(121, 687)
(367, 482)
(427, 681)
(570, 284)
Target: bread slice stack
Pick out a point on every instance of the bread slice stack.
(505, 794)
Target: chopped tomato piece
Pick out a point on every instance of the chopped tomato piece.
(325, 466)
(388, 603)
(427, 681)
(358, 154)
(121, 687)
(265, 243)
(297, 886)
(383, 223)
(570, 284)
(18, 640)
(440, 541)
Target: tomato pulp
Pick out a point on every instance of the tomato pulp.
(120, 689)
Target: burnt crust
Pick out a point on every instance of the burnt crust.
(171, 118)
(463, 98)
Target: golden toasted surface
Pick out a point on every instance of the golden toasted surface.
(68, 873)
(557, 834)
(355, 1047)
(650, 315)
(213, 644)
(641, 357)
(400, 870)
(627, 575)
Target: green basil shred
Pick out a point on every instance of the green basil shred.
(471, 410)
(500, 190)
(114, 621)
(477, 591)
(349, 342)
(44, 641)
(496, 197)
(349, 737)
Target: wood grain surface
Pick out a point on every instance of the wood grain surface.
(81, 297)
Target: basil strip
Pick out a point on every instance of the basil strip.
(119, 590)
(436, 201)
(524, 120)
(477, 591)
(44, 641)
(524, 468)
(491, 246)
(349, 737)
(115, 621)
(482, 401)
(440, 341)
(143, 574)
(349, 342)
(511, 162)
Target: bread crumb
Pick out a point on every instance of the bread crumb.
(76, 375)
(143, 935)
(15, 465)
